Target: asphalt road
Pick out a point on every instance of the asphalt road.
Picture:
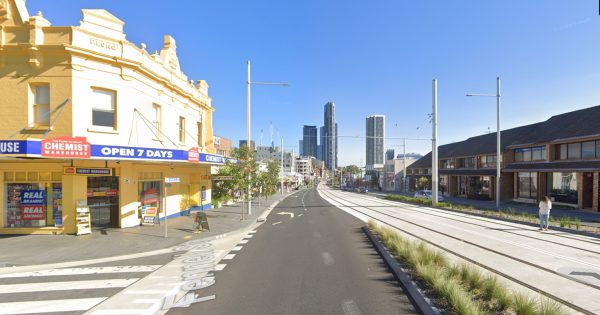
(318, 262)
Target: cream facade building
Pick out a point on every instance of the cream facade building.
(90, 117)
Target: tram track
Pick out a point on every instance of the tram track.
(426, 211)
(354, 206)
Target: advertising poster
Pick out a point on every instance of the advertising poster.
(57, 204)
(33, 204)
(149, 215)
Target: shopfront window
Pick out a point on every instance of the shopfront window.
(527, 185)
(150, 193)
(32, 204)
(562, 187)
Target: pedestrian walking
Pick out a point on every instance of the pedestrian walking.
(545, 206)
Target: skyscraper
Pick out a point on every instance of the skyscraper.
(375, 141)
(320, 148)
(330, 147)
(309, 141)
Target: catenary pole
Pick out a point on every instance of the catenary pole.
(248, 136)
(434, 153)
(498, 143)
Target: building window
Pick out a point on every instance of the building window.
(562, 187)
(588, 150)
(488, 161)
(157, 121)
(447, 164)
(527, 185)
(104, 108)
(574, 151)
(563, 151)
(598, 148)
(41, 104)
(530, 154)
(200, 135)
(181, 129)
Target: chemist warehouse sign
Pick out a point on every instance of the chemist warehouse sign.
(79, 148)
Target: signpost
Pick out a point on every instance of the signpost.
(168, 182)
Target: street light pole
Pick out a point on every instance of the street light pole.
(498, 138)
(434, 150)
(248, 136)
(281, 176)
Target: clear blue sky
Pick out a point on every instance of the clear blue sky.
(373, 57)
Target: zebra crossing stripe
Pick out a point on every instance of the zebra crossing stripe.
(82, 271)
(66, 285)
(47, 306)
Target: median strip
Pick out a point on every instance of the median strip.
(461, 288)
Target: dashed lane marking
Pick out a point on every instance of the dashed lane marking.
(276, 223)
(248, 236)
(243, 242)
(301, 214)
(237, 248)
(252, 232)
(350, 308)
(220, 267)
(327, 258)
(229, 256)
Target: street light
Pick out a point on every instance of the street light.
(497, 95)
(248, 83)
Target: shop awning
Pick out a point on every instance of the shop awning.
(79, 148)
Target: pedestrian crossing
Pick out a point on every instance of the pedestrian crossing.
(65, 290)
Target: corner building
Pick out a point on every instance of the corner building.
(90, 117)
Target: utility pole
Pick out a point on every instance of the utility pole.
(434, 153)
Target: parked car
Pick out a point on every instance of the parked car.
(427, 194)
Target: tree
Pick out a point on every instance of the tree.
(351, 169)
(244, 165)
(423, 182)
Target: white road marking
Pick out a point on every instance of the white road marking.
(220, 267)
(146, 301)
(66, 285)
(48, 306)
(248, 236)
(252, 232)
(229, 256)
(162, 292)
(82, 271)
(276, 223)
(124, 311)
(284, 213)
(301, 214)
(244, 242)
(317, 234)
(327, 258)
(237, 248)
(350, 308)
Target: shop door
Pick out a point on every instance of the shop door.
(103, 200)
(588, 190)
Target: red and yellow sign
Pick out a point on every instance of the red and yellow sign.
(66, 147)
(193, 155)
(33, 212)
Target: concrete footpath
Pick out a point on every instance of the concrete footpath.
(587, 217)
(27, 250)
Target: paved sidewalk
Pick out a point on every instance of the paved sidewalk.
(587, 217)
(24, 250)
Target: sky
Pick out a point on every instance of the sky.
(372, 57)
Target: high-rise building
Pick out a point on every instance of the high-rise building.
(321, 147)
(330, 145)
(375, 132)
(309, 141)
(389, 154)
(252, 144)
(301, 147)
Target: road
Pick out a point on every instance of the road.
(307, 258)
(560, 265)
